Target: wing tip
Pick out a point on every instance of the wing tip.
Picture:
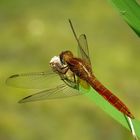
(84, 35)
(13, 76)
(20, 101)
(69, 19)
(25, 99)
(10, 77)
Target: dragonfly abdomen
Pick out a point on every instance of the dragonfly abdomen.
(109, 96)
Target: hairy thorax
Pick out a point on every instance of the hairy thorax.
(79, 67)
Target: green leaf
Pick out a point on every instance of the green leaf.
(130, 11)
(110, 110)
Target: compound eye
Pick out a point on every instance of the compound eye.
(62, 61)
(61, 58)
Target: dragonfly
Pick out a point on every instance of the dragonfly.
(67, 74)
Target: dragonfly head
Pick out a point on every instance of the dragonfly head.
(65, 56)
(55, 62)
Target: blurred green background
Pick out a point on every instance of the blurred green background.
(31, 32)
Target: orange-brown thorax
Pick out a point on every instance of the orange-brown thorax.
(76, 65)
(66, 56)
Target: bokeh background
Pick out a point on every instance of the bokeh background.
(31, 32)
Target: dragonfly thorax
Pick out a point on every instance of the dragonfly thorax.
(66, 56)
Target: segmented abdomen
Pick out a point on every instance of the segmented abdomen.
(109, 96)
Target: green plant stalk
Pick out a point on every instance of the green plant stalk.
(110, 110)
(130, 11)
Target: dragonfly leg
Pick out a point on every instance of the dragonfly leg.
(74, 76)
(64, 70)
(71, 81)
(61, 70)
(65, 74)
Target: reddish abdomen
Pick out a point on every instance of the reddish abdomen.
(109, 96)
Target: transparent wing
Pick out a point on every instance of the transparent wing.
(83, 51)
(35, 80)
(60, 91)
